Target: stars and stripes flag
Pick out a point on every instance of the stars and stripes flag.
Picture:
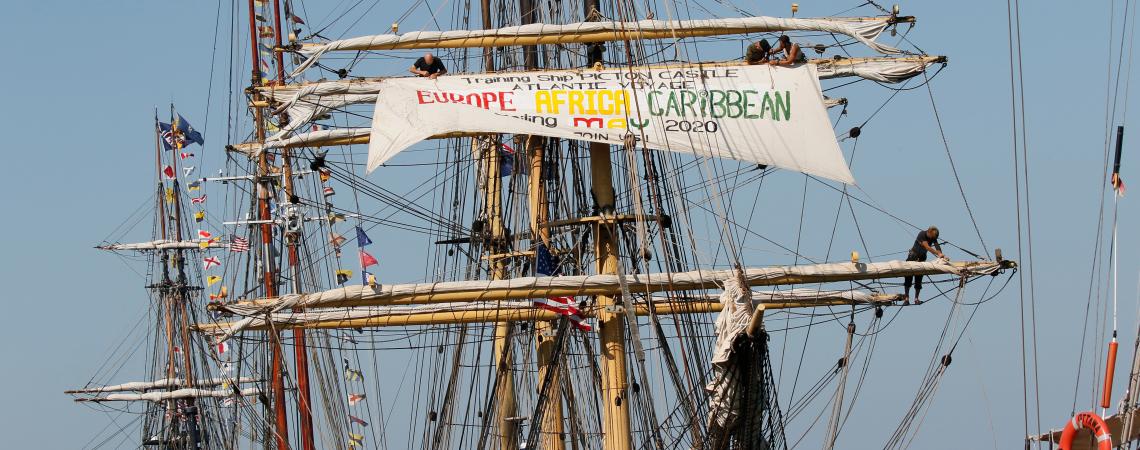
(210, 262)
(239, 244)
(545, 264)
(566, 307)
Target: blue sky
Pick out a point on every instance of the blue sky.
(82, 80)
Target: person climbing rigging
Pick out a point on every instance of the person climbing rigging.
(792, 53)
(428, 66)
(927, 241)
(758, 53)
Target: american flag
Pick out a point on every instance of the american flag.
(545, 264)
(239, 244)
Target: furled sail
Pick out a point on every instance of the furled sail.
(864, 30)
(468, 312)
(163, 244)
(883, 70)
(173, 395)
(304, 103)
(763, 114)
(539, 287)
(159, 384)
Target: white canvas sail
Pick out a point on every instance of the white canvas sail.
(762, 114)
(306, 102)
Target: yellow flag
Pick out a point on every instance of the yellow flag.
(204, 244)
(200, 216)
(169, 195)
(212, 280)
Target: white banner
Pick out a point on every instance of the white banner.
(762, 114)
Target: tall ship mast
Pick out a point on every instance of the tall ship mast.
(590, 277)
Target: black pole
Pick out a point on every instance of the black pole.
(1119, 147)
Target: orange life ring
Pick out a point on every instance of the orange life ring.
(1087, 421)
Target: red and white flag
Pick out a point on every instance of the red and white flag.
(239, 244)
(204, 234)
(185, 155)
(211, 261)
(355, 398)
(367, 260)
(168, 171)
(564, 306)
(201, 199)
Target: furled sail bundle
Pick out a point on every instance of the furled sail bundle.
(162, 396)
(163, 383)
(472, 312)
(164, 244)
(865, 30)
(536, 287)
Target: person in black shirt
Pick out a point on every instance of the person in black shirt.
(428, 66)
(927, 241)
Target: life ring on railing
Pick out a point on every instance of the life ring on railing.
(1087, 421)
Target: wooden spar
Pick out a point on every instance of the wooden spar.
(537, 287)
(263, 190)
(300, 348)
(577, 37)
(275, 92)
(530, 314)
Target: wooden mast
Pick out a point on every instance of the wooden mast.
(488, 152)
(492, 191)
(611, 327)
(264, 190)
(551, 425)
(300, 349)
(164, 284)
